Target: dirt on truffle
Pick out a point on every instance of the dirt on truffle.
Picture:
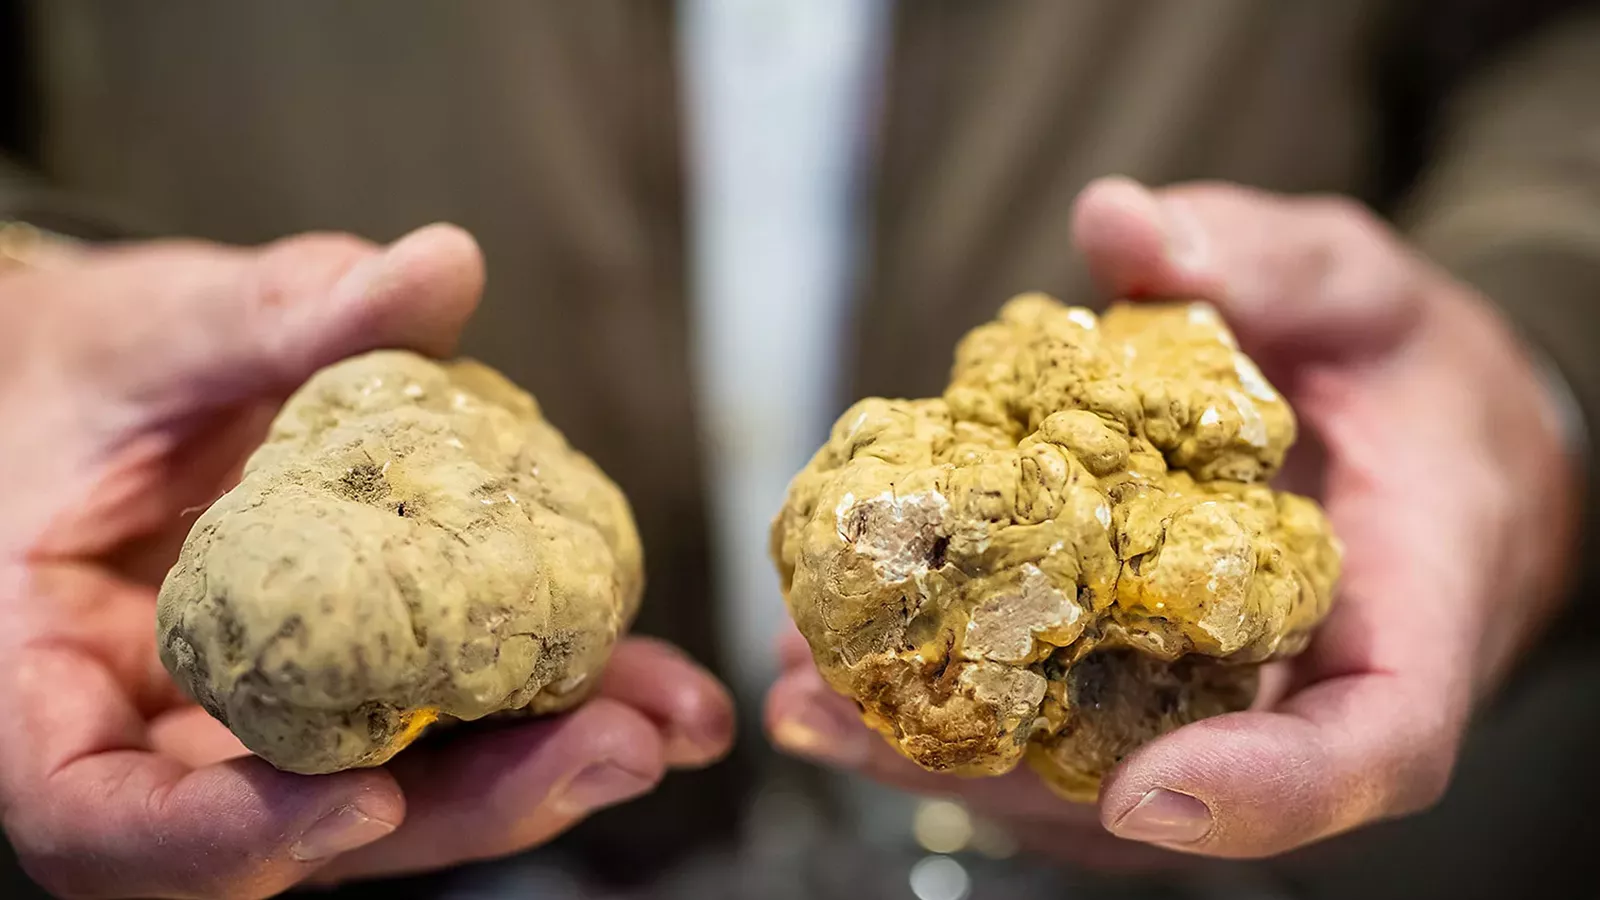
(412, 543)
(1071, 552)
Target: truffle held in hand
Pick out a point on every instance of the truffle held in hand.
(412, 543)
(1071, 552)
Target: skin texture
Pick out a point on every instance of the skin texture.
(1436, 449)
(115, 784)
(1067, 555)
(412, 541)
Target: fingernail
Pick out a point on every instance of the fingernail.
(814, 732)
(1185, 238)
(600, 785)
(340, 831)
(680, 749)
(1164, 817)
(686, 748)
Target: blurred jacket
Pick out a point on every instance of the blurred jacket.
(552, 131)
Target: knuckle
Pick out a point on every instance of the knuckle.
(1349, 222)
(287, 269)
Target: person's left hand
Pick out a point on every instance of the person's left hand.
(133, 382)
(1438, 454)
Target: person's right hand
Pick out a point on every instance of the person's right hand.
(133, 382)
(1440, 455)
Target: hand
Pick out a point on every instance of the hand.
(1438, 455)
(133, 382)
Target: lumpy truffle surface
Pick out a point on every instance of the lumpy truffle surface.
(1072, 551)
(413, 542)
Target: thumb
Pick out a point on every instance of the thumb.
(1343, 753)
(1300, 271)
(196, 327)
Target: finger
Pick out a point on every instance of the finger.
(101, 617)
(1273, 685)
(805, 717)
(93, 812)
(226, 324)
(692, 710)
(1342, 753)
(1375, 708)
(488, 792)
(190, 735)
(1284, 270)
(808, 719)
(793, 651)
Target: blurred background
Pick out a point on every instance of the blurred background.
(709, 225)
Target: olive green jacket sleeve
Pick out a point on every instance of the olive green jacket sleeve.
(1511, 205)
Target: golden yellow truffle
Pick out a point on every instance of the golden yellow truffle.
(1070, 553)
(413, 542)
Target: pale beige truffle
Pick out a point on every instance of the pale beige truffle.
(1069, 553)
(413, 542)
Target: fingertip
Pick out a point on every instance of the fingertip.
(783, 698)
(706, 735)
(1162, 816)
(442, 252)
(801, 684)
(805, 718)
(1131, 247)
(365, 807)
(494, 790)
(376, 794)
(1111, 194)
(693, 711)
(427, 286)
(1115, 206)
(599, 755)
(702, 728)
(793, 650)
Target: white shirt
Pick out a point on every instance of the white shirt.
(780, 97)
